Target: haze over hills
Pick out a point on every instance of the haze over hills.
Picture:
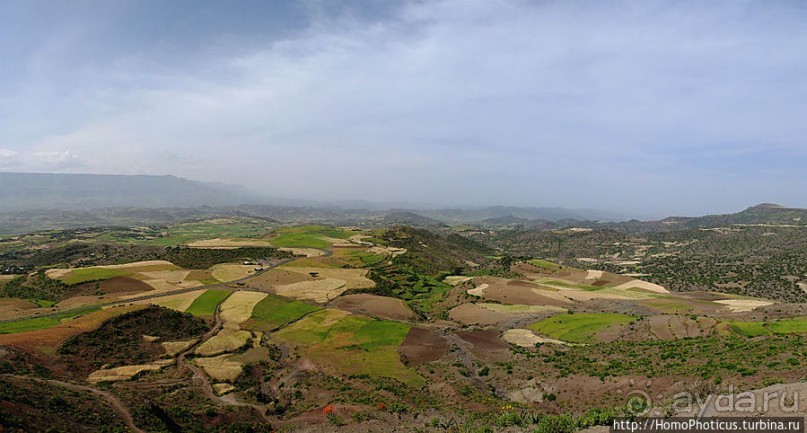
(37, 201)
(28, 191)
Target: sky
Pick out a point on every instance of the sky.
(646, 108)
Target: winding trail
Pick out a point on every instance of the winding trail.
(200, 377)
(114, 402)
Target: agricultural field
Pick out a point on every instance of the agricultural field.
(352, 344)
(795, 325)
(579, 327)
(206, 303)
(37, 323)
(83, 275)
(274, 312)
(380, 328)
(309, 236)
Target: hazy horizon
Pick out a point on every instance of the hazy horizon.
(637, 108)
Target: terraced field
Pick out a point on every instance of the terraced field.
(352, 344)
(309, 236)
(580, 327)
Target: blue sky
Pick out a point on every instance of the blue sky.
(644, 108)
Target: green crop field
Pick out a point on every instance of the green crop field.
(353, 344)
(37, 323)
(206, 303)
(77, 276)
(308, 236)
(579, 327)
(796, 325)
(274, 312)
(366, 258)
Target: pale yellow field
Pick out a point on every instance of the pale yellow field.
(359, 239)
(526, 338)
(743, 305)
(338, 242)
(164, 286)
(57, 273)
(179, 302)
(223, 388)
(221, 368)
(126, 372)
(229, 243)
(173, 277)
(644, 285)
(353, 278)
(317, 290)
(478, 291)
(227, 340)
(144, 267)
(456, 279)
(594, 275)
(231, 272)
(308, 252)
(237, 308)
(172, 348)
(388, 251)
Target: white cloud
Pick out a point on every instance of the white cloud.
(54, 159)
(8, 159)
(550, 103)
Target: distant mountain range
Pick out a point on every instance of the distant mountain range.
(28, 191)
(32, 202)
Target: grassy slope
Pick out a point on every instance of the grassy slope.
(37, 323)
(83, 275)
(795, 325)
(274, 312)
(308, 236)
(580, 327)
(353, 344)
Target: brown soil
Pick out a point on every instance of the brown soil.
(526, 268)
(519, 283)
(110, 286)
(486, 345)
(520, 295)
(9, 305)
(46, 340)
(199, 275)
(473, 314)
(277, 277)
(375, 306)
(422, 345)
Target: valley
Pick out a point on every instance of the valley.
(236, 324)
